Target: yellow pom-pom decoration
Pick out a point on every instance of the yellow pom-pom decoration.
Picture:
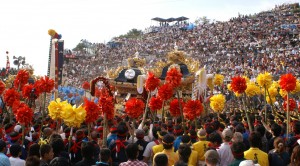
(229, 87)
(297, 89)
(217, 102)
(55, 108)
(272, 101)
(210, 83)
(264, 80)
(72, 116)
(247, 79)
(275, 84)
(237, 94)
(282, 93)
(51, 32)
(218, 79)
(252, 89)
(273, 92)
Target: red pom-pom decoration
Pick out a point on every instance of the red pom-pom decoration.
(44, 84)
(155, 103)
(174, 107)
(174, 77)
(2, 87)
(86, 85)
(29, 92)
(292, 104)
(24, 115)
(10, 96)
(238, 84)
(106, 105)
(192, 109)
(165, 92)
(151, 82)
(92, 111)
(134, 107)
(21, 79)
(287, 82)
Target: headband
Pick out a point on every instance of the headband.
(9, 130)
(159, 136)
(167, 143)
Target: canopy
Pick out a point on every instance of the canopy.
(159, 19)
(182, 18)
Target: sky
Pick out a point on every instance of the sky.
(25, 23)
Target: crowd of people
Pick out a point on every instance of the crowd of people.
(247, 44)
(219, 140)
(244, 45)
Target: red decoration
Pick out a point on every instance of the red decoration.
(134, 107)
(21, 79)
(27, 90)
(174, 107)
(174, 77)
(165, 92)
(10, 96)
(192, 109)
(92, 111)
(16, 105)
(287, 82)
(238, 84)
(155, 103)
(2, 87)
(24, 115)
(292, 104)
(106, 105)
(44, 84)
(86, 85)
(151, 82)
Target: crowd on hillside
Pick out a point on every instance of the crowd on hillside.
(246, 44)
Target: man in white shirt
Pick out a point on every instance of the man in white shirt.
(15, 151)
(224, 151)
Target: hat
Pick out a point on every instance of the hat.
(212, 156)
(17, 128)
(227, 133)
(248, 163)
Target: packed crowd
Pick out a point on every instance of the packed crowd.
(246, 44)
(218, 141)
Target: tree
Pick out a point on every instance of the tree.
(203, 20)
(133, 33)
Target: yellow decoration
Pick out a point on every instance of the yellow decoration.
(273, 91)
(275, 84)
(297, 89)
(210, 83)
(218, 79)
(55, 108)
(217, 102)
(51, 32)
(73, 116)
(247, 79)
(252, 89)
(264, 80)
(269, 101)
(282, 93)
(237, 94)
(43, 141)
(229, 87)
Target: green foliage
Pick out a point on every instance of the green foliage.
(133, 33)
(79, 47)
